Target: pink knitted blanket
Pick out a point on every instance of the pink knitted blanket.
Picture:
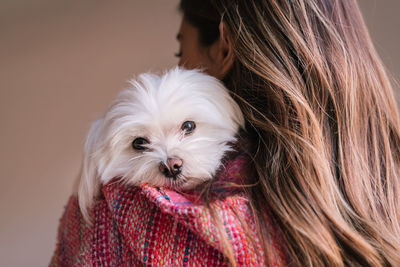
(148, 226)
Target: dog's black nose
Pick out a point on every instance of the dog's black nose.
(172, 168)
(175, 165)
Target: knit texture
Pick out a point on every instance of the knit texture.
(149, 226)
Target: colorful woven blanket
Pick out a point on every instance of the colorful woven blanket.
(148, 226)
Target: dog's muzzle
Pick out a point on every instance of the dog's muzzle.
(172, 168)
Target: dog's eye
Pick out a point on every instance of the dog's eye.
(140, 143)
(188, 127)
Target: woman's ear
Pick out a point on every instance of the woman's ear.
(221, 53)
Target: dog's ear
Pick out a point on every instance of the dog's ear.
(238, 116)
(89, 181)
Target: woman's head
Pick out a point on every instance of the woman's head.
(321, 111)
(203, 41)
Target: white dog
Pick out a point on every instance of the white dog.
(170, 130)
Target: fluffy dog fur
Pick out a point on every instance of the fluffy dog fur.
(155, 109)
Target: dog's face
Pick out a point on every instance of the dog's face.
(169, 131)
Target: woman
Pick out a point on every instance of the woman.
(324, 142)
(322, 116)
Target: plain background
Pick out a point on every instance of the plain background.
(61, 63)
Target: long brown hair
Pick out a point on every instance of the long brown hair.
(320, 109)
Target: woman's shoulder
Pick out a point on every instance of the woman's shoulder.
(151, 225)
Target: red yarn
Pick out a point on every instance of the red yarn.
(136, 226)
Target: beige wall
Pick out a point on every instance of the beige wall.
(383, 21)
(61, 63)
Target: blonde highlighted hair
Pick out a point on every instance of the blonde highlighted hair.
(320, 109)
